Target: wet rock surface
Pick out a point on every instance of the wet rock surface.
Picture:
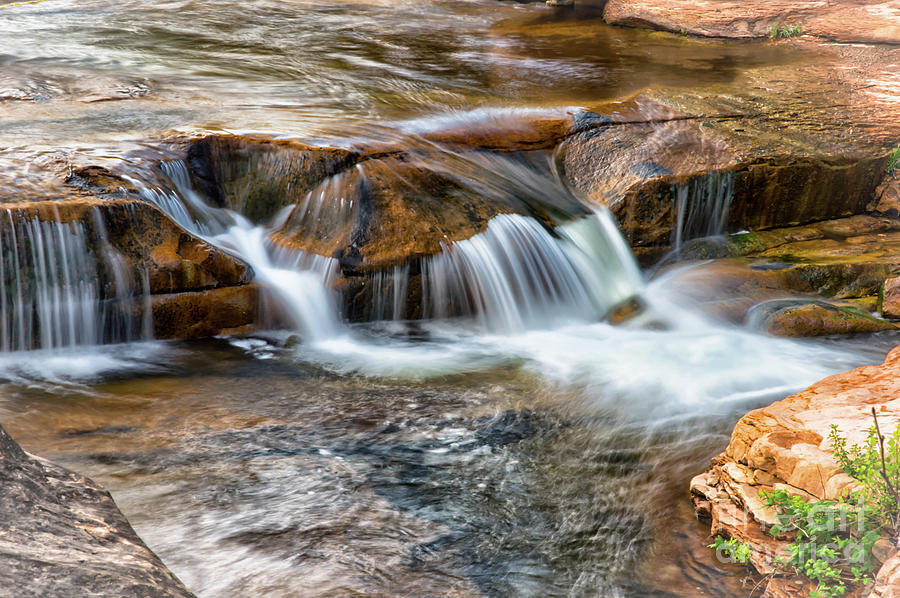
(257, 176)
(140, 257)
(805, 319)
(389, 211)
(785, 446)
(838, 20)
(62, 535)
(845, 261)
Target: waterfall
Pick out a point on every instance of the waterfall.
(389, 294)
(516, 275)
(702, 207)
(51, 291)
(513, 276)
(300, 281)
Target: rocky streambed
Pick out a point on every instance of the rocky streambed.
(440, 244)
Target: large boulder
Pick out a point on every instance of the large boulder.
(387, 212)
(61, 535)
(670, 176)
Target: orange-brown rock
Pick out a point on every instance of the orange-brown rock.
(141, 255)
(390, 211)
(205, 313)
(887, 197)
(643, 171)
(838, 20)
(786, 446)
(890, 298)
(145, 238)
(101, 181)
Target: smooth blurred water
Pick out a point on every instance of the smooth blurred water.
(545, 458)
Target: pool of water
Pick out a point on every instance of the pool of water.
(548, 463)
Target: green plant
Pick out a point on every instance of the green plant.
(875, 466)
(893, 161)
(785, 31)
(731, 550)
(832, 543)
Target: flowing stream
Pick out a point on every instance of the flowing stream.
(510, 441)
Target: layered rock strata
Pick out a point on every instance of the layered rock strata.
(785, 446)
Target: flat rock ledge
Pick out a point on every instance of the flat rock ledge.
(61, 535)
(863, 21)
(785, 446)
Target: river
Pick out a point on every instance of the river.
(530, 450)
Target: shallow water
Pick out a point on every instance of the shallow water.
(548, 463)
(73, 71)
(393, 458)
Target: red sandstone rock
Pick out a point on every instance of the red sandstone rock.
(890, 306)
(785, 445)
(838, 20)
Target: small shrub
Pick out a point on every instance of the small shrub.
(731, 550)
(831, 540)
(893, 162)
(832, 543)
(785, 31)
(863, 463)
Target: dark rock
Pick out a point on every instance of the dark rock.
(257, 176)
(61, 535)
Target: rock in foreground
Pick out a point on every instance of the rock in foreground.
(785, 446)
(62, 536)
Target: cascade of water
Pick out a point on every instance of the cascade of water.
(513, 276)
(390, 290)
(516, 275)
(301, 281)
(50, 286)
(184, 205)
(702, 207)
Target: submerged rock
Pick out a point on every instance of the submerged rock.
(785, 446)
(61, 535)
(844, 260)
